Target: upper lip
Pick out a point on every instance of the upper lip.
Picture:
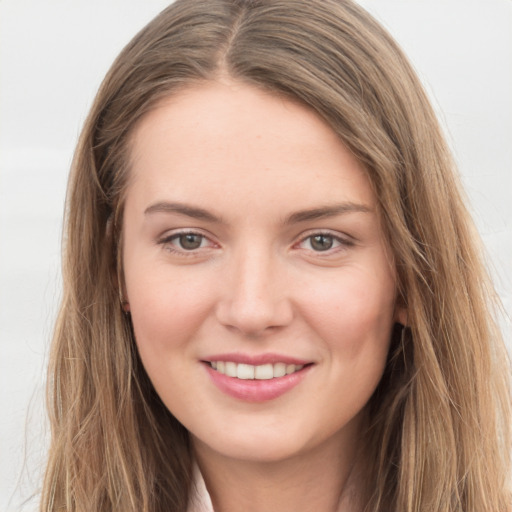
(256, 359)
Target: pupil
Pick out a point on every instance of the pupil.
(321, 242)
(190, 241)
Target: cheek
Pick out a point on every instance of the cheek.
(354, 311)
(165, 308)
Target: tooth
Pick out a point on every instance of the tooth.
(248, 371)
(290, 368)
(279, 370)
(245, 371)
(264, 372)
(230, 369)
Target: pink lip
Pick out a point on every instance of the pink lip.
(256, 390)
(256, 360)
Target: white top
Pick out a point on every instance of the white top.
(200, 500)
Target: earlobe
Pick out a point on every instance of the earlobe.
(125, 304)
(118, 275)
(401, 316)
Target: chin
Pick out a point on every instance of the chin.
(265, 444)
(256, 450)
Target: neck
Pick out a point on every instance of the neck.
(323, 479)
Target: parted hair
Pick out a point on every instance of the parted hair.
(438, 436)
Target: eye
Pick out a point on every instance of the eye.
(185, 242)
(323, 242)
(189, 241)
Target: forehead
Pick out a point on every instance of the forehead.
(244, 144)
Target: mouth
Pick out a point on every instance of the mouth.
(255, 372)
(268, 379)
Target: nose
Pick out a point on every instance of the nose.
(254, 299)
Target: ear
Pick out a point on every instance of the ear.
(116, 270)
(121, 286)
(400, 315)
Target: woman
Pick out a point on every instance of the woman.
(271, 280)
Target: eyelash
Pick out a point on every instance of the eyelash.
(343, 243)
(168, 245)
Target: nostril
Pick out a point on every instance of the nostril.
(254, 321)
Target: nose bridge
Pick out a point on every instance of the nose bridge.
(254, 298)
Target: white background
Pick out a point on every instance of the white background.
(53, 55)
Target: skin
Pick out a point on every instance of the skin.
(256, 284)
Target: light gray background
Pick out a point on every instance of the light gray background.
(53, 55)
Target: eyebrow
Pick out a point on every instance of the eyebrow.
(327, 211)
(183, 209)
(296, 217)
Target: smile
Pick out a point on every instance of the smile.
(267, 378)
(253, 372)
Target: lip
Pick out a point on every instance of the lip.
(256, 390)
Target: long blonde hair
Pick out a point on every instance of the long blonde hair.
(439, 430)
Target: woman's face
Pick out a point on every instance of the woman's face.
(260, 286)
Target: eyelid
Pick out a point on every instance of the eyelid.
(344, 240)
(169, 236)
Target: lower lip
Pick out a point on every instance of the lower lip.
(256, 390)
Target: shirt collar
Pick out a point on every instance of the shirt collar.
(200, 500)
